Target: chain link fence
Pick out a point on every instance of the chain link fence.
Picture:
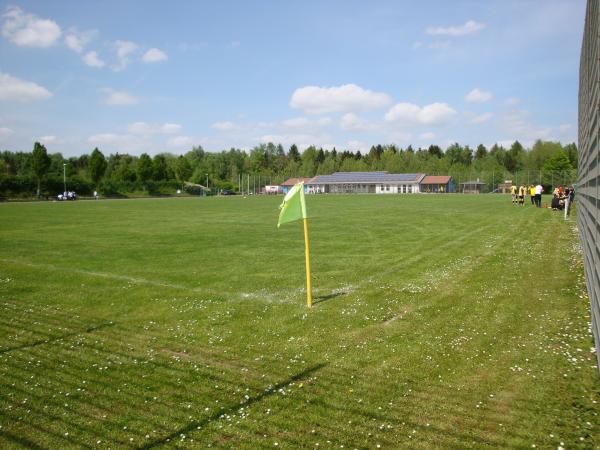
(500, 181)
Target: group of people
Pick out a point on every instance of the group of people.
(535, 193)
(67, 195)
(561, 197)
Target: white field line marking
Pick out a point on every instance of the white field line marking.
(261, 294)
(109, 275)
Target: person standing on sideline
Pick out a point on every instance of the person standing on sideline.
(569, 198)
(522, 195)
(532, 193)
(538, 195)
(513, 193)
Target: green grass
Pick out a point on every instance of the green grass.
(439, 322)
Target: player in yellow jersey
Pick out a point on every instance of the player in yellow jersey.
(532, 193)
(513, 193)
(522, 195)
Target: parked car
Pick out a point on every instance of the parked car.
(227, 192)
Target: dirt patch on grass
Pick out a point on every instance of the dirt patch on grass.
(174, 353)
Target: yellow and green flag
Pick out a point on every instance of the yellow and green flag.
(293, 207)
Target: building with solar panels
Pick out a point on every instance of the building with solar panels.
(365, 183)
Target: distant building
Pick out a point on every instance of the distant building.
(438, 184)
(273, 189)
(472, 187)
(504, 188)
(290, 182)
(365, 183)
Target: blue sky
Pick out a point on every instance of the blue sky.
(157, 76)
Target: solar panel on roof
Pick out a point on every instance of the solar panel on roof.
(365, 177)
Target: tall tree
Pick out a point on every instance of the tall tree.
(513, 160)
(559, 161)
(571, 150)
(481, 152)
(435, 150)
(293, 153)
(40, 163)
(97, 166)
(144, 168)
(183, 169)
(309, 162)
(159, 168)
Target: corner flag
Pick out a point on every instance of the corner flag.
(294, 208)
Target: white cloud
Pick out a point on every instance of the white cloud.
(564, 127)
(180, 141)
(46, 140)
(354, 145)
(518, 125)
(481, 118)
(403, 111)
(93, 60)
(143, 128)
(139, 128)
(303, 123)
(297, 122)
(118, 142)
(224, 126)
(235, 44)
(154, 55)
(5, 132)
(345, 98)
(469, 27)
(428, 136)
(400, 137)
(352, 122)
(439, 45)
(77, 40)
(170, 128)
(302, 140)
(433, 114)
(124, 50)
(27, 30)
(13, 89)
(435, 45)
(118, 98)
(478, 96)
(506, 143)
(512, 101)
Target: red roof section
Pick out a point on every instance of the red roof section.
(293, 181)
(436, 179)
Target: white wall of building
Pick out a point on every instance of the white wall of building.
(385, 188)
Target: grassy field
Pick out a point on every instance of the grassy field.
(439, 322)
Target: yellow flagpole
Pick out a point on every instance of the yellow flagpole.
(307, 255)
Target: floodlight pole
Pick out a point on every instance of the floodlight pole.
(65, 176)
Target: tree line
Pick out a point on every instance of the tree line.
(40, 173)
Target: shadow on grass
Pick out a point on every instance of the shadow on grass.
(19, 440)
(198, 424)
(57, 338)
(324, 298)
